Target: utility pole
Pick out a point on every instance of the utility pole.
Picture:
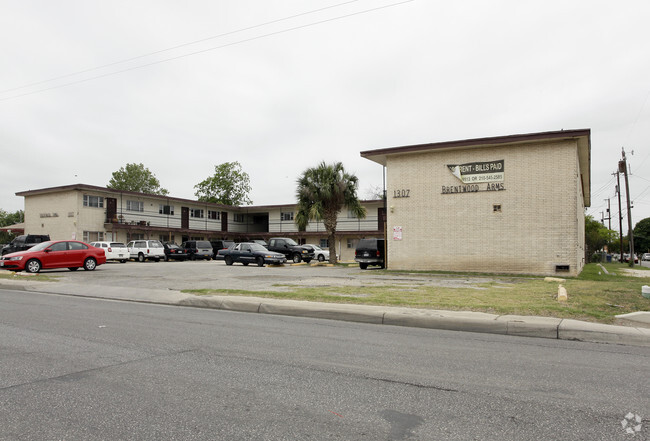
(609, 215)
(620, 214)
(622, 168)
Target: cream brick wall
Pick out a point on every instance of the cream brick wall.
(53, 214)
(539, 225)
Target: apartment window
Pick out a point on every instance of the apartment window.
(239, 218)
(93, 201)
(324, 244)
(352, 243)
(214, 215)
(166, 238)
(134, 236)
(166, 209)
(93, 236)
(134, 206)
(286, 216)
(196, 212)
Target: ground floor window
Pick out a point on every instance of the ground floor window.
(93, 236)
(166, 238)
(352, 243)
(324, 243)
(134, 236)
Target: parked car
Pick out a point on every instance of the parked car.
(174, 252)
(70, 254)
(24, 242)
(142, 250)
(646, 257)
(113, 250)
(220, 245)
(370, 252)
(197, 249)
(290, 249)
(626, 258)
(319, 254)
(250, 252)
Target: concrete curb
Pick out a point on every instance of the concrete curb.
(467, 321)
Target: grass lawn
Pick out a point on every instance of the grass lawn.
(593, 296)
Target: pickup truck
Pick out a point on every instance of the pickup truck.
(24, 242)
(291, 249)
(250, 252)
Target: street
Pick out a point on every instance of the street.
(77, 368)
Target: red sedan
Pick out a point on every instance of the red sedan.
(70, 254)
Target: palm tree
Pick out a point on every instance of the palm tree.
(322, 192)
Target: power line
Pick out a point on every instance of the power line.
(176, 47)
(246, 40)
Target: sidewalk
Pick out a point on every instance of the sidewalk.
(523, 326)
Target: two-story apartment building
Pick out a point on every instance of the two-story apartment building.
(92, 213)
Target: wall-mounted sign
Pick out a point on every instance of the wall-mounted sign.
(477, 172)
(397, 233)
(476, 176)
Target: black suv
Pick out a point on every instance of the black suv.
(370, 252)
(197, 249)
(24, 242)
(220, 245)
(291, 249)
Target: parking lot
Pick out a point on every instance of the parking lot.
(217, 275)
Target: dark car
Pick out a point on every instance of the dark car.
(220, 245)
(198, 249)
(370, 252)
(250, 252)
(70, 254)
(24, 242)
(174, 252)
(291, 249)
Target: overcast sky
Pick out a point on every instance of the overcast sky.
(280, 85)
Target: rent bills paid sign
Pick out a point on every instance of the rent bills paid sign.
(490, 174)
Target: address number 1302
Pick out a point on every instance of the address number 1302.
(401, 193)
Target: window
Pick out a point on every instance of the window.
(496, 208)
(286, 216)
(239, 217)
(214, 215)
(93, 236)
(166, 238)
(93, 201)
(134, 236)
(77, 246)
(166, 209)
(59, 246)
(196, 212)
(324, 244)
(352, 243)
(134, 206)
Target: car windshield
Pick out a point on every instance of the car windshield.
(291, 242)
(41, 246)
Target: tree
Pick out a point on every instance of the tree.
(138, 178)
(597, 235)
(7, 219)
(642, 236)
(322, 192)
(229, 185)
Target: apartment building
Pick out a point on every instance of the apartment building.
(92, 213)
(510, 204)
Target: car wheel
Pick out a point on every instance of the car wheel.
(73, 268)
(363, 265)
(321, 258)
(157, 259)
(123, 261)
(228, 260)
(260, 261)
(90, 264)
(166, 258)
(245, 263)
(192, 257)
(140, 257)
(33, 266)
(296, 258)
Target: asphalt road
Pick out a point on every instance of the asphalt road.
(87, 369)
